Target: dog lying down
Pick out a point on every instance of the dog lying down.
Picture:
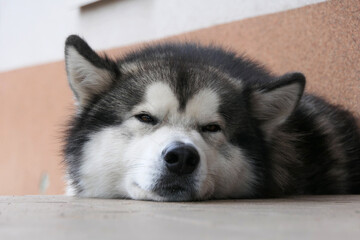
(182, 122)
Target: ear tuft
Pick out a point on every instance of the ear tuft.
(274, 103)
(88, 73)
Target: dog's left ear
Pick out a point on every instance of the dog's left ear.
(88, 73)
(272, 104)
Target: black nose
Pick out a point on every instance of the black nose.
(181, 158)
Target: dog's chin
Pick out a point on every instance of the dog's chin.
(175, 193)
(164, 193)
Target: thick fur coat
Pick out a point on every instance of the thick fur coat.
(177, 122)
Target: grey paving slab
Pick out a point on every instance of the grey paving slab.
(60, 217)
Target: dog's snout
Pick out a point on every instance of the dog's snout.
(181, 158)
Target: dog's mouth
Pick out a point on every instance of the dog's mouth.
(175, 190)
(174, 193)
(171, 189)
(167, 192)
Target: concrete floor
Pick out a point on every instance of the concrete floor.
(60, 217)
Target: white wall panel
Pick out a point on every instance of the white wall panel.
(33, 32)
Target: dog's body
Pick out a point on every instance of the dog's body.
(182, 122)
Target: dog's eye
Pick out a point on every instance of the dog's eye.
(145, 118)
(211, 128)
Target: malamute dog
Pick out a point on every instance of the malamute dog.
(179, 122)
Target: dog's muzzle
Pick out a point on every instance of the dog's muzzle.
(177, 182)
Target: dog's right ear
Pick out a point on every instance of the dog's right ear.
(88, 73)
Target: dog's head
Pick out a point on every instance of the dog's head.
(172, 122)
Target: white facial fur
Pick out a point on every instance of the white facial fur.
(116, 165)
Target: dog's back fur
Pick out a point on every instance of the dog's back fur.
(316, 151)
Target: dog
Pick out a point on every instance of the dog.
(184, 122)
